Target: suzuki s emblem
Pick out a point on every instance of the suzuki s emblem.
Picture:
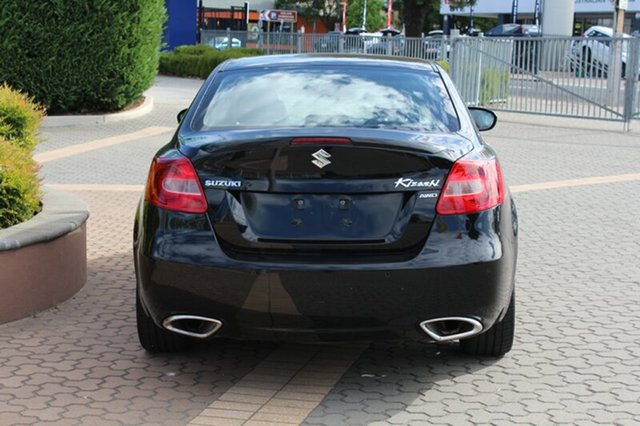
(321, 158)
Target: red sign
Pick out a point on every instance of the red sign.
(280, 15)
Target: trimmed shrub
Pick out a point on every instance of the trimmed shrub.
(200, 49)
(494, 85)
(19, 185)
(79, 55)
(199, 61)
(445, 65)
(19, 118)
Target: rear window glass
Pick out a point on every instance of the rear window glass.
(319, 97)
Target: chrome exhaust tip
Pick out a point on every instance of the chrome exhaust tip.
(192, 325)
(451, 328)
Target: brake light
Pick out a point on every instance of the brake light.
(321, 141)
(473, 185)
(173, 185)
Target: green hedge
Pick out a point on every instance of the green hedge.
(19, 184)
(79, 55)
(198, 61)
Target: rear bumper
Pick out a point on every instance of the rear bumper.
(325, 305)
(465, 270)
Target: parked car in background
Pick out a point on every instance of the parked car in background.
(351, 41)
(392, 42)
(322, 198)
(436, 47)
(593, 54)
(514, 30)
(355, 31)
(328, 43)
(222, 43)
(526, 53)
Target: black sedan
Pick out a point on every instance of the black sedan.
(327, 198)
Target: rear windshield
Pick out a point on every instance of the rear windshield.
(318, 97)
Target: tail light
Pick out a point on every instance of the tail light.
(473, 185)
(173, 185)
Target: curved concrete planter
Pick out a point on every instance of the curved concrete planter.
(43, 261)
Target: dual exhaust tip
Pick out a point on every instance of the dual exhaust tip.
(439, 329)
(192, 325)
(451, 328)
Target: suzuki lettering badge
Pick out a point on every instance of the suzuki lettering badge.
(321, 158)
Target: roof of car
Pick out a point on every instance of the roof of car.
(605, 30)
(326, 59)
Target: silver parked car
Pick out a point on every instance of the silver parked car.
(592, 54)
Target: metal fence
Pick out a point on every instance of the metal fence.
(568, 76)
(571, 77)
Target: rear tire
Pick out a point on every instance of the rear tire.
(496, 341)
(586, 64)
(153, 338)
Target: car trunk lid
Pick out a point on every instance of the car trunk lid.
(372, 194)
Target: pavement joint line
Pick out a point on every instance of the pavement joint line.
(95, 187)
(515, 189)
(279, 408)
(68, 151)
(570, 183)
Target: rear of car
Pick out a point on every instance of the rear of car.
(327, 43)
(325, 198)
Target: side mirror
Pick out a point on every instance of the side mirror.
(181, 115)
(484, 119)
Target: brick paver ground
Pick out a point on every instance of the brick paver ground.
(576, 359)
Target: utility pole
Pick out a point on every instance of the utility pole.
(620, 7)
(364, 15)
(200, 21)
(614, 68)
(344, 16)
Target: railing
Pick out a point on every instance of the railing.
(575, 77)
(568, 76)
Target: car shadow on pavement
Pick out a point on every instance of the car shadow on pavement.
(392, 376)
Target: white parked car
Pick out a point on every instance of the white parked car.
(222, 43)
(593, 52)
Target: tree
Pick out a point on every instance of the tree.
(415, 12)
(326, 11)
(461, 4)
(375, 20)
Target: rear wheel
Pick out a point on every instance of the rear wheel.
(496, 341)
(154, 338)
(586, 64)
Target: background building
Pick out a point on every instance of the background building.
(587, 12)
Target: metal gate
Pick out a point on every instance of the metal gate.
(569, 77)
